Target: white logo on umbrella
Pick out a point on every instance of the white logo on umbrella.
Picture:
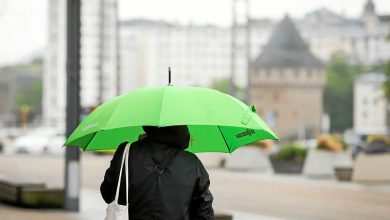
(90, 126)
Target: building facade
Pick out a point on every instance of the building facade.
(363, 39)
(286, 84)
(370, 105)
(200, 54)
(197, 54)
(99, 67)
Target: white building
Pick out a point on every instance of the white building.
(363, 39)
(370, 105)
(98, 57)
(197, 54)
(200, 54)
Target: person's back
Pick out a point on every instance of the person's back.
(180, 191)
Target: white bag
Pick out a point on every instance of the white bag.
(115, 211)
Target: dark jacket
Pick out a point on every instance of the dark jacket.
(181, 192)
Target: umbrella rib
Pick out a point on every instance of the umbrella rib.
(111, 116)
(161, 107)
(86, 146)
(227, 145)
(206, 107)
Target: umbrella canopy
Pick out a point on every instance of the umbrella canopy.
(217, 122)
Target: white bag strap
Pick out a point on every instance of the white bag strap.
(124, 156)
(127, 173)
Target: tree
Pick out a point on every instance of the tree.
(31, 96)
(223, 85)
(338, 94)
(386, 71)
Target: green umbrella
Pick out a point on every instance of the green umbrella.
(217, 122)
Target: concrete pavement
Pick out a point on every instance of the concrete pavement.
(249, 196)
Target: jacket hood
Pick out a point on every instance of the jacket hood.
(179, 135)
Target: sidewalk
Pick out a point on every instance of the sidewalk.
(240, 193)
(92, 208)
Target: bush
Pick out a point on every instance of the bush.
(264, 144)
(290, 152)
(377, 144)
(378, 138)
(332, 143)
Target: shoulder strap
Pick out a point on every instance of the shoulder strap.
(160, 168)
(127, 173)
(124, 158)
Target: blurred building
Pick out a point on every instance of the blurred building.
(199, 54)
(370, 105)
(99, 44)
(363, 39)
(286, 84)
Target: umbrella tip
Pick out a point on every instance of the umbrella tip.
(169, 76)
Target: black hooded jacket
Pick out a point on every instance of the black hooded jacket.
(181, 192)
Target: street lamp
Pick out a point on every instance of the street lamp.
(72, 154)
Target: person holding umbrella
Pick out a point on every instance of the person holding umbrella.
(166, 182)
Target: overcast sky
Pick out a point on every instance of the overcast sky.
(23, 23)
(219, 11)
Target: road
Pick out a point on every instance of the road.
(280, 197)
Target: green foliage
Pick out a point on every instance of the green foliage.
(338, 94)
(386, 71)
(290, 152)
(221, 85)
(31, 96)
(34, 66)
(332, 142)
(378, 138)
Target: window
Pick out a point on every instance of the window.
(375, 101)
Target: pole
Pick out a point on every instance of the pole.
(101, 52)
(232, 87)
(248, 53)
(118, 56)
(72, 154)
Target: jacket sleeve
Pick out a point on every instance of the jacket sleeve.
(202, 199)
(109, 184)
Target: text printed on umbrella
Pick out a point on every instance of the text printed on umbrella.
(245, 133)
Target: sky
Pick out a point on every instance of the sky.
(23, 23)
(219, 11)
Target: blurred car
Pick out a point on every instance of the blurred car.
(40, 141)
(309, 143)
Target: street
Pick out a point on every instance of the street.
(246, 193)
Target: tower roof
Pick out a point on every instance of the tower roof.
(286, 48)
(369, 8)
